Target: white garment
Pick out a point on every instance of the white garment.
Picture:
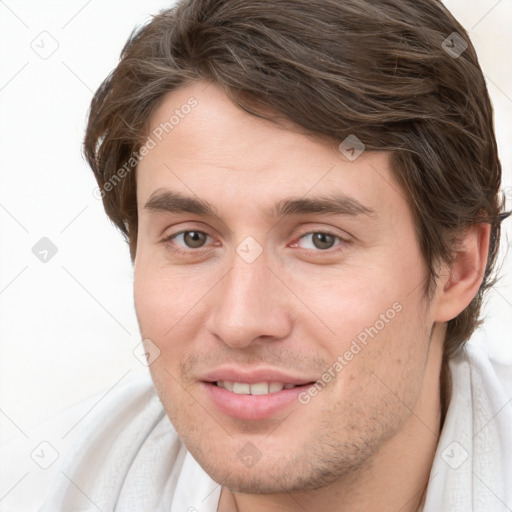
(127, 457)
(472, 469)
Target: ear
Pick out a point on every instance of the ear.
(459, 282)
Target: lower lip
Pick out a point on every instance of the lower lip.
(251, 407)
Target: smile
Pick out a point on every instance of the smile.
(259, 388)
(254, 402)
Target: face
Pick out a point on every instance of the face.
(265, 256)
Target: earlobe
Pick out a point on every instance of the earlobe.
(464, 276)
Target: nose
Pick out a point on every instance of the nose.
(249, 305)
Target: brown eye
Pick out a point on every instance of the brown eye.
(194, 239)
(318, 240)
(191, 239)
(323, 240)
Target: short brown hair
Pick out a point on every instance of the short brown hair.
(380, 70)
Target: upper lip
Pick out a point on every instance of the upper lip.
(252, 376)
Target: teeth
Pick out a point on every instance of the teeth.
(241, 388)
(259, 388)
(275, 386)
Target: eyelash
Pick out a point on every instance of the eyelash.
(309, 252)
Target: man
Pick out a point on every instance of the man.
(310, 192)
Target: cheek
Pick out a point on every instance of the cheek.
(150, 302)
(379, 329)
(159, 307)
(169, 304)
(163, 299)
(386, 360)
(354, 304)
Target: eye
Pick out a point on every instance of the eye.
(189, 239)
(319, 240)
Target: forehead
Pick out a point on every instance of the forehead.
(216, 127)
(205, 145)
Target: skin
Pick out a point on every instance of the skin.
(367, 440)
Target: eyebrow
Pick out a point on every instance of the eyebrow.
(175, 202)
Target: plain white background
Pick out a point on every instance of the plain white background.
(68, 326)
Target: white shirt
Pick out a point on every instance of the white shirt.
(125, 456)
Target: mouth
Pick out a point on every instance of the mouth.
(252, 401)
(258, 388)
